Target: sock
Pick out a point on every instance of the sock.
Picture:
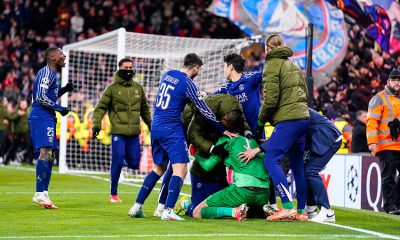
(274, 206)
(300, 211)
(41, 174)
(288, 205)
(148, 185)
(174, 189)
(49, 171)
(216, 212)
(160, 207)
(164, 186)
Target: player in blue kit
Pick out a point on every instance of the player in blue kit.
(42, 122)
(168, 139)
(245, 86)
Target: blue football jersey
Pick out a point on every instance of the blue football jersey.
(45, 92)
(247, 90)
(175, 90)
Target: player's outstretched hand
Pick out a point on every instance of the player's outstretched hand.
(220, 150)
(69, 87)
(64, 111)
(229, 134)
(96, 131)
(249, 154)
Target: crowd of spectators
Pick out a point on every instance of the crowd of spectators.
(28, 27)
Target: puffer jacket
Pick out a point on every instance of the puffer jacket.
(285, 89)
(125, 102)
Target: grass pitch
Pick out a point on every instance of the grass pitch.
(85, 213)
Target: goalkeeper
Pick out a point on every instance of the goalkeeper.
(251, 181)
(204, 183)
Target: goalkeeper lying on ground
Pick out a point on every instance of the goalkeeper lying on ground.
(251, 181)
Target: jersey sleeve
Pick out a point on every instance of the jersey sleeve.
(192, 93)
(224, 88)
(45, 80)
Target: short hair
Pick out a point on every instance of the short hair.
(50, 51)
(125, 59)
(234, 121)
(274, 41)
(236, 60)
(192, 60)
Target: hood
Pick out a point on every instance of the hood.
(283, 53)
(224, 103)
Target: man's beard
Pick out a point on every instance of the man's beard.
(394, 91)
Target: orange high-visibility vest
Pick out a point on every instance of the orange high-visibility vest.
(383, 108)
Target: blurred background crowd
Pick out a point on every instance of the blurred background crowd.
(28, 27)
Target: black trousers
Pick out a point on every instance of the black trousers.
(390, 162)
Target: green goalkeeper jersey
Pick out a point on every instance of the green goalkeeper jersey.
(252, 174)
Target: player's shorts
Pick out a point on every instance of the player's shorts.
(234, 196)
(169, 147)
(43, 133)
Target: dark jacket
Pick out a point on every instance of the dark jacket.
(203, 135)
(359, 138)
(285, 89)
(322, 133)
(125, 102)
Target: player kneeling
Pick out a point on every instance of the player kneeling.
(251, 181)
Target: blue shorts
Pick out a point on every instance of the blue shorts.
(169, 147)
(43, 133)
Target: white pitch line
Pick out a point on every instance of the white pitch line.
(317, 236)
(376, 234)
(27, 193)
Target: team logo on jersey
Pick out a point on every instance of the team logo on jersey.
(199, 185)
(115, 138)
(119, 93)
(50, 139)
(241, 87)
(45, 83)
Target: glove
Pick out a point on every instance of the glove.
(69, 87)
(219, 150)
(248, 135)
(96, 131)
(64, 111)
(394, 129)
(259, 132)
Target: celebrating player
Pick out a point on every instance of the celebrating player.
(168, 139)
(245, 86)
(251, 181)
(42, 122)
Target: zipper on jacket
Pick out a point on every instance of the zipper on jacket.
(129, 112)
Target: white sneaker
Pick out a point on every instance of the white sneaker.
(169, 215)
(270, 209)
(325, 215)
(158, 212)
(40, 199)
(311, 212)
(136, 211)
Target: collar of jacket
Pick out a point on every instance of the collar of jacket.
(389, 93)
(283, 52)
(121, 81)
